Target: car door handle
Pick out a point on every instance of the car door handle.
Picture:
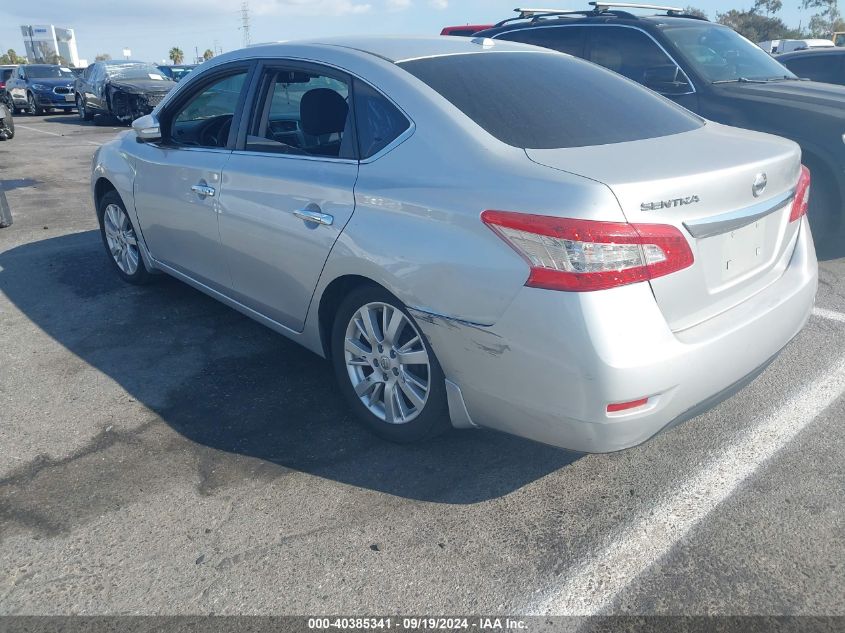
(314, 216)
(203, 190)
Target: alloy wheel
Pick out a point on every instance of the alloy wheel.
(121, 239)
(80, 108)
(387, 363)
(31, 108)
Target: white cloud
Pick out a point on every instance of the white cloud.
(398, 5)
(439, 4)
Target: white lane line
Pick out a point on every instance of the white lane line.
(591, 586)
(829, 314)
(33, 129)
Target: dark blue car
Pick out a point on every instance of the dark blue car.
(35, 88)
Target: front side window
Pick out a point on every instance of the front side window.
(546, 100)
(721, 54)
(629, 52)
(206, 119)
(378, 121)
(302, 113)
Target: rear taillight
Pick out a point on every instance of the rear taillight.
(802, 195)
(585, 255)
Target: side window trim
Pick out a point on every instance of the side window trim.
(254, 102)
(201, 82)
(586, 44)
(582, 45)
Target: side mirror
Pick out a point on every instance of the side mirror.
(667, 79)
(147, 129)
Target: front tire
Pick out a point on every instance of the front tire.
(82, 110)
(386, 368)
(32, 107)
(121, 240)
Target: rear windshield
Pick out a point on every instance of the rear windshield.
(550, 100)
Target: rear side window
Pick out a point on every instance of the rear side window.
(379, 122)
(548, 101)
(558, 38)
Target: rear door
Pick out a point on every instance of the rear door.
(727, 190)
(288, 188)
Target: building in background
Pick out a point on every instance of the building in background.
(48, 44)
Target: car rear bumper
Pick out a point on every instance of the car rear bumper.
(550, 366)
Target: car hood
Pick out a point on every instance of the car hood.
(804, 95)
(53, 81)
(143, 85)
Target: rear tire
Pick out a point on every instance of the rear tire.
(401, 389)
(121, 240)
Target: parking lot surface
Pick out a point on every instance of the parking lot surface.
(162, 454)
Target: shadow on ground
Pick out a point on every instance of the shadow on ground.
(224, 382)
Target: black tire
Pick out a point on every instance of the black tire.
(141, 275)
(7, 124)
(825, 210)
(433, 418)
(82, 109)
(32, 106)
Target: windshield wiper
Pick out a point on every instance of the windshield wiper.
(741, 80)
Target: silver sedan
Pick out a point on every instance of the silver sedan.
(475, 233)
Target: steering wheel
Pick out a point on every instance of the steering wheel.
(215, 133)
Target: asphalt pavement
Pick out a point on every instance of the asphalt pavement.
(162, 454)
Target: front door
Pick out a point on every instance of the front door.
(178, 181)
(288, 189)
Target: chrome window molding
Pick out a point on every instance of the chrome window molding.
(616, 26)
(733, 220)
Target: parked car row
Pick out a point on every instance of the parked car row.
(712, 71)
(120, 90)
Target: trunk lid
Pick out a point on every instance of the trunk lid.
(703, 183)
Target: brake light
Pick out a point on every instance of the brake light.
(801, 202)
(586, 255)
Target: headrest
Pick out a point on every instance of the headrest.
(322, 111)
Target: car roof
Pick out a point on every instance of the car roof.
(391, 48)
(606, 17)
(812, 52)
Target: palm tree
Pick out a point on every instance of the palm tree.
(208, 54)
(176, 55)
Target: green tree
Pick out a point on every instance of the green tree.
(102, 57)
(208, 54)
(176, 55)
(690, 10)
(824, 22)
(769, 7)
(11, 57)
(756, 27)
(55, 58)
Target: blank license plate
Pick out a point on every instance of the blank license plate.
(743, 249)
(68, 97)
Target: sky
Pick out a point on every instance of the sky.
(152, 27)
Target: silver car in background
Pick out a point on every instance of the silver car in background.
(487, 234)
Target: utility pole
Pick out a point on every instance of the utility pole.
(245, 22)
